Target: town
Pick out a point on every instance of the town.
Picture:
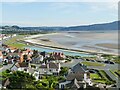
(25, 68)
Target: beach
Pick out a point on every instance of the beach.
(106, 42)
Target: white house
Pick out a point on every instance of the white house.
(77, 78)
(50, 68)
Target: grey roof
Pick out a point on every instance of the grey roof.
(71, 76)
(75, 85)
(79, 68)
(53, 65)
(43, 66)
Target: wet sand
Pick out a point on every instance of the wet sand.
(109, 45)
(87, 41)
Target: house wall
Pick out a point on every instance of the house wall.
(61, 85)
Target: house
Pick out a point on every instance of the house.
(57, 55)
(79, 77)
(50, 68)
(37, 59)
(20, 67)
(15, 67)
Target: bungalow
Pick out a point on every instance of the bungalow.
(79, 77)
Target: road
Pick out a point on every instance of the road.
(106, 67)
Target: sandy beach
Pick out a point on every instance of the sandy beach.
(86, 41)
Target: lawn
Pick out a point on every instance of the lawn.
(100, 81)
(101, 77)
(13, 42)
(94, 76)
(92, 64)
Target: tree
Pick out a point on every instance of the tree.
(64, 70)
(20, 80)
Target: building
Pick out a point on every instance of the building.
(50, 69)
(57, 55)
(37, 59)
(79, 77)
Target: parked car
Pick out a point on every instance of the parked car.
(109, 62)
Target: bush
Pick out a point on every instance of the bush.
(33, 66)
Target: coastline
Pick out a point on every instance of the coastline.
(67, 49)
(43, 40)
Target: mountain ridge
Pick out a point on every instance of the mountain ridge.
(104, 26)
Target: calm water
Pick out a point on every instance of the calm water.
(59, 50)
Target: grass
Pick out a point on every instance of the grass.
(101, 77)
(94, 76)
(92, 64)
(13, 42)
(100, 81)
(1, 65)
(113, 72)
(97, 79)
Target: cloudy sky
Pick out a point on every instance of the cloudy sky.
(38, 13)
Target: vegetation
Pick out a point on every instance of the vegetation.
(116, 59)
(21, 80)
(92, 63)
(73, 57)
(94, 76)
(101, 77)
(117, 72)
(1, 65)
(13, 42)
(106, 77)
(113, 72)
(64, 71)
(33, 66)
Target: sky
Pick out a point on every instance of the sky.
(31, 13)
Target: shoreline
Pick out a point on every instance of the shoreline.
(68, 49)
(41, 40)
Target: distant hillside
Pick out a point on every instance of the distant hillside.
(105, 26)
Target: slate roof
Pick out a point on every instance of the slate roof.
(75, 85)
(79, 68)
(71, 76)
(53, 65)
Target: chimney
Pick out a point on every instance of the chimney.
(47, 65)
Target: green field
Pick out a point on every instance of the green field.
(92, 64)
(14, 42)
